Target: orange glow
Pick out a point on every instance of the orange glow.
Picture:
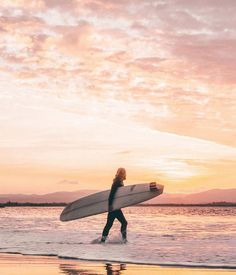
(89, 86)
(27, 265)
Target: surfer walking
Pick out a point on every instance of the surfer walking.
(115, 214)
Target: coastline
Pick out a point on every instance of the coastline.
(17, 264)
(63, 204)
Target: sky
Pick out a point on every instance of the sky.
(87, 86)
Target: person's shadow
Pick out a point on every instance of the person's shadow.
(109, 269)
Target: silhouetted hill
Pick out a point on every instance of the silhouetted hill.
(214, 195)
(209, 196)
(47, 198)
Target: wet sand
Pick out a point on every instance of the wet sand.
(17, 264)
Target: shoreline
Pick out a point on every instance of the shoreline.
(172, 266)
(7, 205)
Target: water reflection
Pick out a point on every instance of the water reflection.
(109, 269)
(114, 269)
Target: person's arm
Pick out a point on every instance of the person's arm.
(114, 188)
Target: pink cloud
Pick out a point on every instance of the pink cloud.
(152, 53)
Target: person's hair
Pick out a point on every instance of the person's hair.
(120, 171)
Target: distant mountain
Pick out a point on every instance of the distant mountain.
(214, 195)
(47, 198)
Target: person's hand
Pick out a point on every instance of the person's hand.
(153, 186)
(110, 208)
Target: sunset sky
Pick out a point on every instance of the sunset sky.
(88, 86)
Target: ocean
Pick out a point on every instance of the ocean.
(178, 236)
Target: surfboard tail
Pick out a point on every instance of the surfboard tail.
(154, 187)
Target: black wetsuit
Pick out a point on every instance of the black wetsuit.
(116, 213)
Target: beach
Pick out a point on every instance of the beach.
(17, 264)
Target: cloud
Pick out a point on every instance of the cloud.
(74, 71)
(126, 152)
(68, 182)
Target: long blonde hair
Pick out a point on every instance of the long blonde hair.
(120, 172)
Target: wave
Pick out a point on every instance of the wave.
(163, 264)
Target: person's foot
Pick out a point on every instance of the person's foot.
(124, 240)
(103, 239)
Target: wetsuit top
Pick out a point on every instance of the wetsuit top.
(116, 184)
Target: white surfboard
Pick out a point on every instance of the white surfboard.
(98, 203)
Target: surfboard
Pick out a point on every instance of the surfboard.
(98, 203)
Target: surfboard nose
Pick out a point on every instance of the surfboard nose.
(62, 218)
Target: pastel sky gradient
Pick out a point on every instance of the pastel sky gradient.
(88, 86)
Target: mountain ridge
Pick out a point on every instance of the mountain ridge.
(208, 196)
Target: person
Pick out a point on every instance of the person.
(115, 214)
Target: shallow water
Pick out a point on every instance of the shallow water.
(194, 236)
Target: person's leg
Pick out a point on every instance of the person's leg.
(110, 220)
(120, 216)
